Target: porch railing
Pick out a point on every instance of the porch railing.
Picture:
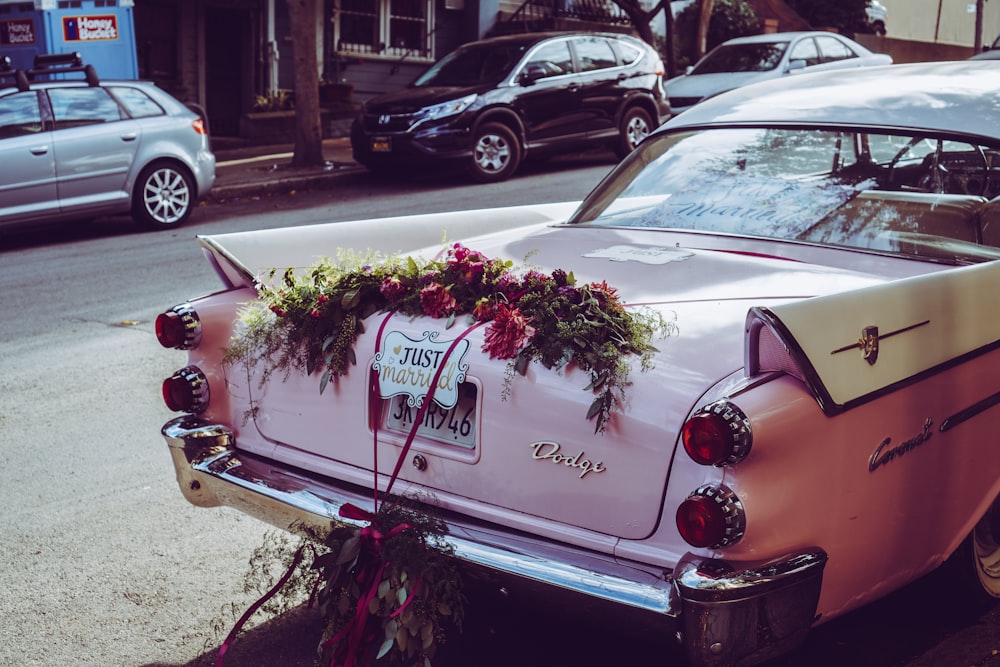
(539, 14)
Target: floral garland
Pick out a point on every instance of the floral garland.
(310, 322)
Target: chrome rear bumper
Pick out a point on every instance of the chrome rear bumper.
(725, 613)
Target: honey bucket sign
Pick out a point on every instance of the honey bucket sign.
(406, 367)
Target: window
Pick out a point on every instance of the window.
(136, 102)
(389, 28)
(833, 49)
(552, 59)
(73, 107)
(594, 53)
(19, 115)
(806, 50)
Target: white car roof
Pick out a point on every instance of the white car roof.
(960, 97)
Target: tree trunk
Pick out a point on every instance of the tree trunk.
(308, 129)
(704, 18)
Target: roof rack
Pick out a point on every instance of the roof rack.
(7, 71)
(47, 64)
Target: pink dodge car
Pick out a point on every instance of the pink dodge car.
(747, 385)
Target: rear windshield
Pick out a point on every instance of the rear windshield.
(912, 195)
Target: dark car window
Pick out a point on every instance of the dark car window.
(136, 102)
(594, 53)
(19, 115)
(629, 52)
(833, 49)
(73, 107)
(742, 58)
(805, 50)
(471, 65)
(552, 59)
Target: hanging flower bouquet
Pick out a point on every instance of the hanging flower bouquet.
(310, 322)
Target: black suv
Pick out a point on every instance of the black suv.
(489, 103)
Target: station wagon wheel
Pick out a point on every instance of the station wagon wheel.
(496, 153)
(635, 126)
(163, 196)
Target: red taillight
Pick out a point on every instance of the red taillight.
(186, 390)
(199, 126)
(711, 517)
(179, 328)
(717, 435)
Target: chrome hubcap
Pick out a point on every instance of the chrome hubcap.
(636, 131)
(492, 153)
(166, 195)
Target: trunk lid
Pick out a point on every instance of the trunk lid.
(524, 444)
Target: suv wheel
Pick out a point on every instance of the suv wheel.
(636, 126)
(163, 196)
(496, 153)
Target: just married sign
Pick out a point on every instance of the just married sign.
(406, 367)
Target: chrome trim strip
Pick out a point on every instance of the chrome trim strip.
(211, 473)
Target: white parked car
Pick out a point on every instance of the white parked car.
(745, 60)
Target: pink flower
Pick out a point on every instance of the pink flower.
(509, 332)
(437, 301)
(392, 288)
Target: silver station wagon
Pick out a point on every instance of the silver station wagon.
(72, 146)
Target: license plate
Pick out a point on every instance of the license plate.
(452, 426)
(381, 145)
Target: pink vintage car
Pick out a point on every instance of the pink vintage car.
(749, 384)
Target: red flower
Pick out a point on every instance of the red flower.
(483, 310)
(437, 301)
(392, 288)
(315, 313)
(509, 332)
(277, 310)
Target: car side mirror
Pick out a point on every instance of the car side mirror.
(796, 64)
(689, 69)
(531, 74)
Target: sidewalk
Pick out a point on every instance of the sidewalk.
(250, 170)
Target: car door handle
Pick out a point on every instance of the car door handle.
(574, 88)
(131, 136)
(39, 150)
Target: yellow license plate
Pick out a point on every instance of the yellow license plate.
(381, 145)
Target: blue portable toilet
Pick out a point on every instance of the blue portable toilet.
(101, 31)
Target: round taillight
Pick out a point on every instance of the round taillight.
(186, 390)
(712, 517)
(717, 435)
(179, 328)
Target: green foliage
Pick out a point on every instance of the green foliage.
(417, 598)
(276, 100)
(730, 19)
(843, 15)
